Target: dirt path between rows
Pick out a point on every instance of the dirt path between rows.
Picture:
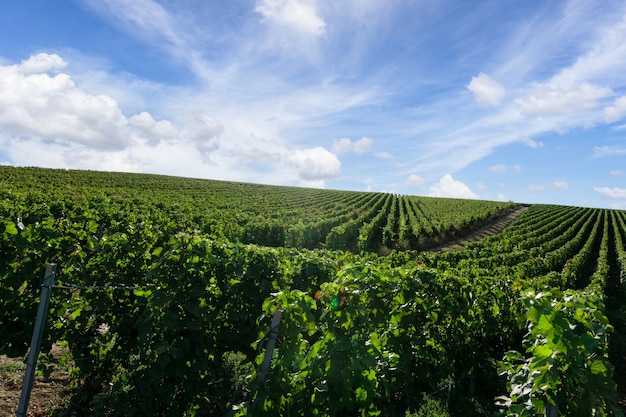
(490, 229)
(46, 393)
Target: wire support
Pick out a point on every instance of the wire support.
(93, 287)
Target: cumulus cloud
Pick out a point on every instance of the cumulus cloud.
(487, 91)
(204, 133)
(42, 63)
(151, 128)
(414, 180)
(300, 15)
(614, 192)
(617, 172)
(345, 145)
(449, 187)
(37, 100)
(551, 99)
(314, 164)
(615, 112)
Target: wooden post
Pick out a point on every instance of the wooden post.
(35, 343)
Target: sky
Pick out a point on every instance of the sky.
(506, 100)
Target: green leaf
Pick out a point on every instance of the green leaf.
(142, 293)
(9, 228)
(598, 367)
(361, 394)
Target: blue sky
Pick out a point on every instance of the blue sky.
(497, 100)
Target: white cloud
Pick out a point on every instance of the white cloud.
(534, 188)
(34, 102)
(555, 186)
(150, 21)
(552, 99)
(42, 63)
(300, 15)
(600, 151)
(204, 133)
(498, 168)
(617, 172)
(414, 180)
(504, 168)
(501, 197)
(39, 101)
(344, 145)
(615, 112)
(487, 91)
(560, 185)
(314, 164)
(449, 187)
(151, 128)
(614, 192)
(531, 143)
(254, 153)
(312, 183)
(383, 155)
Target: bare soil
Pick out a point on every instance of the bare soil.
(47, 393)
(491, 228)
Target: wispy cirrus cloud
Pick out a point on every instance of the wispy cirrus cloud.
(601, 151)
(540, 188)
(300, 15)
(262, 88)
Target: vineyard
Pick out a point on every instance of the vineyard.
(176, 296)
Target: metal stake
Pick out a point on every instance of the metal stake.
(35, 343)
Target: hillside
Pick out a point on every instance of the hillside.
(166, 288)
(261, 214)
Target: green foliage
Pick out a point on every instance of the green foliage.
(171, 284)
(373, 335)
(431, 407)
(566, 364)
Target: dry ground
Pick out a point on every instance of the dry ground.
(490, 229)
(46, 393)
